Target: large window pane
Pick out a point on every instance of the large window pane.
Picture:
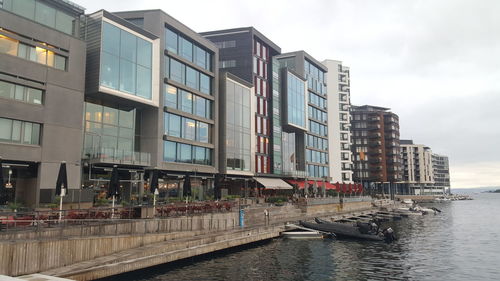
(19, 93)
(203, 132)
(200, 57)
(186, 49)
(5, 129)
(64, 22)
(191, 78)
(205, 84)
(8, 45)
(45, 14)
(127, 76)
(200, 106)
(171, 96)
(59, 62)
(169, 151)
(6, 90)
(144, 82)
(25, 8)
(128, 46)
(93, 112)
(144, 56)
(111, 38)
(171, 38)
(16, 130)
(110, 71)
(28, 128)
(186, 102)
(110, 116)
(184, 154)
(35, 135)
(200, 157)
(173, 125)
(188, 129)
(126, 118)
(177, 71)
(34, 96)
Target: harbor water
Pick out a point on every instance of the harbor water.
(461, 243)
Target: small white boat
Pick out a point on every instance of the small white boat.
(302, 234)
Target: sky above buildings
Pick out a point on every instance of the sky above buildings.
(434, 63)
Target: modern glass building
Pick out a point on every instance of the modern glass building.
(121, 90)
(42, 74)
(184, 139)
(306, 112)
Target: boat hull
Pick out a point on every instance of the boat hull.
(341, 230)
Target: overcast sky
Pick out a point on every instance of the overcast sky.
(434, 63)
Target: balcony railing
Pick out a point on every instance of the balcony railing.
(117, 156)
(295, 174)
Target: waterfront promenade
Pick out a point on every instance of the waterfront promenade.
(87, 252)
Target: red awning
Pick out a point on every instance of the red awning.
(300, 184)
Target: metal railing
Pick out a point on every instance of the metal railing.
(118, 156)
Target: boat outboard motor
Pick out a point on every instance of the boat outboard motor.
(389, 235)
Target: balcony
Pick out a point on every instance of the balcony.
(117, 156)
(375, 160)
(375, 135)
(375, 152)
(374, 127)
(375, 143)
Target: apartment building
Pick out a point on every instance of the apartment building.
(418, 172)
(375, 145)
(42, 81)
(441, 168)
(339, 121)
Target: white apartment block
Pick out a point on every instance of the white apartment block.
(418, 170)
(339, 118)
(441, 169)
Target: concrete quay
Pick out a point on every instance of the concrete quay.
(91, 252)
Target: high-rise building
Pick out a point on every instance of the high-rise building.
(441, 168)
(375, 145)
(339, 121)
(305, 112)
(418, 172)
(42, 81)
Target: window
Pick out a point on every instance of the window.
(202, 132)
(227, 63)
(19, 131)
(201, 106)
(173, 125)
(226, 44)
(201, 57)
(171, 40)
(170, 151)
(12, 91)
(192, 78)
(185, 153)
(186, 49)
(37, 11)
(186, 101)
(188, 129)
(205, 86)
(126, 62)
(171, 96)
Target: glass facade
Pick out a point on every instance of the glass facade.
(21, 93)
(40, 12)
(126, 62)
(178, 44)
(296, 101)
(181, 73)
(187, 128)
(16, 131)
(238, 126)
(186, 153)
(187, 102)
(36, 54)
(278, 153)
(109, 129)
(317, 139)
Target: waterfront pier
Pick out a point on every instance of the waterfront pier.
(87, 252)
